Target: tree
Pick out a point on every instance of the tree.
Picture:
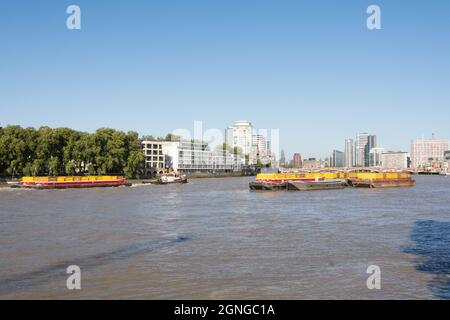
(172, 137)
(135, 164)
(53, 165)
(48, 151)
(70, 168)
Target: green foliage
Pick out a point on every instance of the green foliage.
(70, 168)
(171, 137)
(134, 166)
(230, 149)
(63, 151)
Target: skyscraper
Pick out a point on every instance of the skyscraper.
(240, 135)
(364, 143)
(375, 156)
(282, 158)
(371, 144)
(337, 159)
(360, 148)
(259, 149)
(349, 153)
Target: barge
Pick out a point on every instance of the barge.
(276, 182)
(71, 182)
(331, 180)
(266, 186)
(327, 184)
(380, 179)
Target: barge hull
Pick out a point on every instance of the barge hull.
(265, 186)
(71, 182)
(70, 186)
(313, 186)
(381, 183)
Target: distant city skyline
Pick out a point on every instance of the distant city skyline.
(322, 155)
(153, 67)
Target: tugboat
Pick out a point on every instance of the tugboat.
(172, 178)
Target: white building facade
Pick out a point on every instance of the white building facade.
(261, 150)
(240, 135)
(424, 151)
(154, 156)
(191, 157)
(360, 148)
(397, 160)
(349, 153)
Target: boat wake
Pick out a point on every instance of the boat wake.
(139, 185)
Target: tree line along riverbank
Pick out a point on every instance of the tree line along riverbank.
(64, 151)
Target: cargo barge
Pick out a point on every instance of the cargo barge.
(328, 184)
(71, 182)
(299, 182)
(331, 180)
(380, 180)
(266, 186)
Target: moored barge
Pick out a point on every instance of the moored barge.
(266, 186)
(380, 179)
(71, 182)
(331, 180)
(276, 182)
(327, 184)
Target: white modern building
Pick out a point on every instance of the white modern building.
(349, 153)
(364, 143)
(397, 160)
(240, 135)
(362, 140)
(261, 150)
(154, 157)
(189, 156)
(424, 151)
(259, 145)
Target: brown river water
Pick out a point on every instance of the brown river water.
(214, 239)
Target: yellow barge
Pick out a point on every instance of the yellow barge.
(63, 182)
(380, 179)
(359, 179)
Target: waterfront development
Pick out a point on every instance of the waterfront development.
(214, 238)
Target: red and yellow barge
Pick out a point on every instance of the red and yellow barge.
(63, 182)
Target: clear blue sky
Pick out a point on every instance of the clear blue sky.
(310, 68)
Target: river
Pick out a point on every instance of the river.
(214, 239)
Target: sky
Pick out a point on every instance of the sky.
(311, 69)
